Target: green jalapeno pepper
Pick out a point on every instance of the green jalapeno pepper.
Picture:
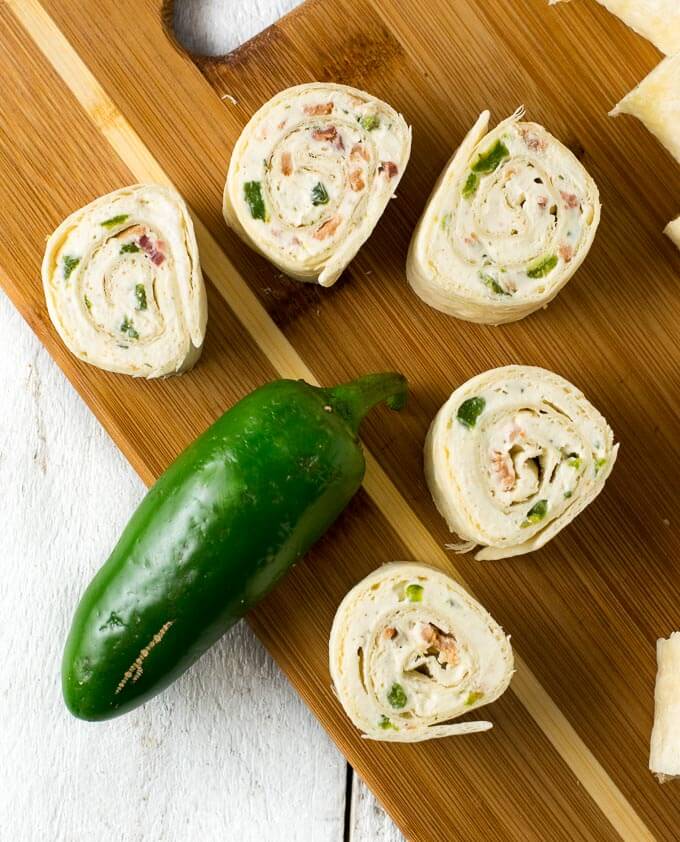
(226, 520)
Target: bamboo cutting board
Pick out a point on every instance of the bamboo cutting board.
(97, 95)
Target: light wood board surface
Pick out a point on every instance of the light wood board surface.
(567, 756)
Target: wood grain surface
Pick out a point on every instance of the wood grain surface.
(97, 95)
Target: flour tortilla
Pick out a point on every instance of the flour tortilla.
(311, 175)
(123, 283)
(510, 220)
(536, 454)
(664, 758)
(410, 650)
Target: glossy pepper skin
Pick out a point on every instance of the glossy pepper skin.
(218, 529)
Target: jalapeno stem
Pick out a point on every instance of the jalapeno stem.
(354, 399)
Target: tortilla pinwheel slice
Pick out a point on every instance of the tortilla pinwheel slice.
(664, 758)
(410, 650)
(672, 230)
(656, 20)
(510, 220)
(311, 175)
(656, 102)
(123, 283)
(512, 457)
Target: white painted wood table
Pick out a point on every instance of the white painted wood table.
(227, 753)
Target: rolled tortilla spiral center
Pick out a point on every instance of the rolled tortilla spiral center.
(500, 214)
(121, 284)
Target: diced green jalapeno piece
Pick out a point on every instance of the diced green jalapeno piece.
(574, 462)
(370, 122)
(446, 218)
(140, 295)
(493, 284)
(470, 410)
(600, 463)
(536, 513)
(319, 194)
(542, 267)
(127, 326)
(115, 220)
(87, 301)
(70, 264)
(474, 696)
(567, 494)
(397, 696)
(488, 161)
(253, 193)
(129, 248)
(470, 186)
(385, 723)
(414, 593)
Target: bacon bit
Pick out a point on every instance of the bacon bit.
(448, 651)
(542, 202)
(515, 433)
(536, 144)
(339, 142)
(318, 110)
(566, 252)
(286, 163)
(569, 199)
(388, 167)
(327, 228)
(472, 240)
(281, 124)
(428, 632)
(445, 643)
(157, 256)
(329, 133)
(389, 633)
(358, 151)
(356, 181)
(502, 465)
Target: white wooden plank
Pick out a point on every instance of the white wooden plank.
(209, 759)
(368, 821)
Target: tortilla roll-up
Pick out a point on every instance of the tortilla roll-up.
(511, 218)
(672, 230)
(123, 283)
(411, 650)
(513, 456)
(656, 20)
(311, 175)
(664, 757)
(656, 102)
